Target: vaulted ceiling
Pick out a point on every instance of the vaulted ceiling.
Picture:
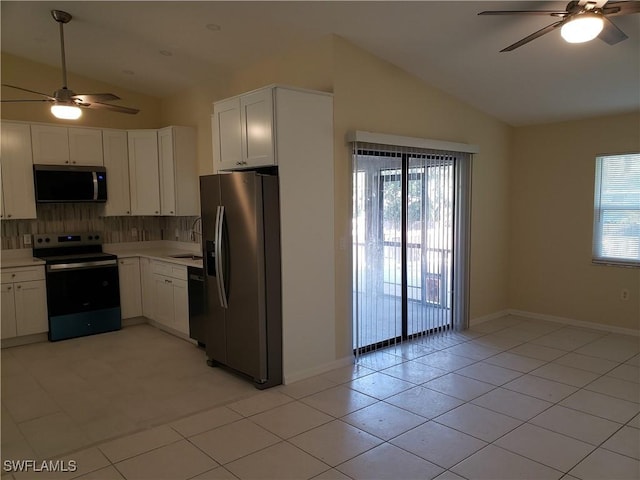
(162, 47)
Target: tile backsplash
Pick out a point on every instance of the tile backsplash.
(79, 217)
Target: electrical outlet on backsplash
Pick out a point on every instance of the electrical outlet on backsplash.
(76, 217)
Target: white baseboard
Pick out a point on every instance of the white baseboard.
(576, 323)
(491, 316)
(311, 372)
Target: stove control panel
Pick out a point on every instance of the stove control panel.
(67, 239)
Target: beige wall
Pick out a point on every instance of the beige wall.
(193, 108)
(43, 78)
(552, 175)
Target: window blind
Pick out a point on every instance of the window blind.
(616, 230)
(410, 243)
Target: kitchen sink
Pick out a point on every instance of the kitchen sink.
(190, 256)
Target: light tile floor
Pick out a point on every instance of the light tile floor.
(511, 398)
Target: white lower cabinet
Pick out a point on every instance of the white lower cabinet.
(24, 302)
(171, 295)
(130, 287)
(148, 288)
(8, 311)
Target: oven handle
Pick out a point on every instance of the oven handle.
(79, 265)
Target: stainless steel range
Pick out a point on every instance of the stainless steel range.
(83, 291)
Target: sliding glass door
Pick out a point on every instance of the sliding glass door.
(403, 245)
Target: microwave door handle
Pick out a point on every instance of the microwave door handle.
(94, 175)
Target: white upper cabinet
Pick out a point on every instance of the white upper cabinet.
(243, 131)
(50, 144)
(179, 193)
(18, 197)
(256, 111)
(54, 145)
(144, 175)
(116, 161)
(227, 134)
(85, 146)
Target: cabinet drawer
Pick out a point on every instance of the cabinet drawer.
(169, 270)
(22, 274)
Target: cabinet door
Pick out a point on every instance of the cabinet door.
(31, 307)
(227, 135)
(8, 311)
(85, 146)
(144, 176)
(257, 128)
(116, 161)
(130, 287)
(148, 289)
(181, 306)
(17, 172)
(167, 173)
(50, 144)
(164, 300)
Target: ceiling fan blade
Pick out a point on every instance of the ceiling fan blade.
(614, 9)
(523, 12)
(113, 108)
(51, 99)
(14, 101)
(533, 36)
(95, 97)
(611, 34)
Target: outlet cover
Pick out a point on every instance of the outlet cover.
(26, 239)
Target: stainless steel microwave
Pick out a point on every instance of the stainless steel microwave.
(65, 184)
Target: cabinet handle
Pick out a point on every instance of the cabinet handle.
(127, 212)
(19, 287)
(9, 216)
(66, 161)
(13, 275)
(167, 281)
(8, 288)
(171, 211)
(156, 212)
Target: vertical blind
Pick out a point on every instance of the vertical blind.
(616, 226)
(410, 243)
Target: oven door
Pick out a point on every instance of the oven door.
(82, 287)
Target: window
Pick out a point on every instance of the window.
(616, 225)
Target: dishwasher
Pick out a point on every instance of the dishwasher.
(197, 299)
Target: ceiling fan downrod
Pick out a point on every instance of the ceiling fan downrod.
(62, 18)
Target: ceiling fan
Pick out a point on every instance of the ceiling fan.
(583, 20)
(65, 101)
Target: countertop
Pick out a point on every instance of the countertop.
(18, 258)
(155, 250)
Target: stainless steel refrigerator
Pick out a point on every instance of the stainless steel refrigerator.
(241, 252)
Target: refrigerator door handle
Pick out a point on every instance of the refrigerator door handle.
(222, 294)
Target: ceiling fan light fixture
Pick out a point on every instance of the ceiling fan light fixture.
(582, 27)
(66, 112)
